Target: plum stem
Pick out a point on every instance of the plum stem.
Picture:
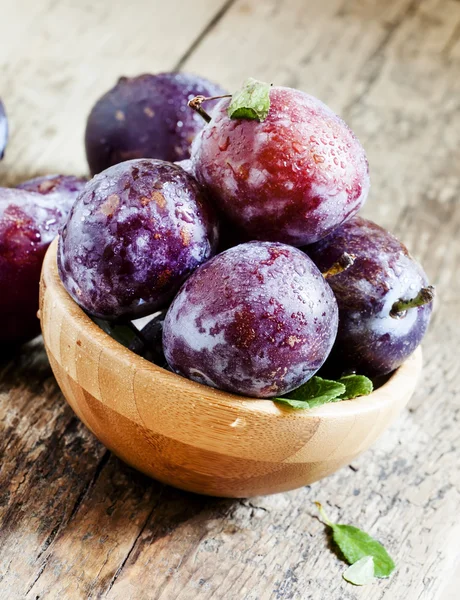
(195, 104)
(344, 263)
(425, 296)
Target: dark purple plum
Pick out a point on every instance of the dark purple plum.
(28, 224)
(3, 130)
(258, 320)
(134, 234)
(149, 342)
(384, 299)
(230, 236)
(145, 117)
(292, 178)
(61, 191)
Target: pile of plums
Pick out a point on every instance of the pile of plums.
(150, 117)
(241, 229)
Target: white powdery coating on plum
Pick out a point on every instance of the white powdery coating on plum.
(229, 180)
(154, 226)
(399, 327)
(257, 177)
(370, 338)
(187, 314)
(269, 291)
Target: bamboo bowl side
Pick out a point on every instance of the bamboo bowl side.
(194, 437)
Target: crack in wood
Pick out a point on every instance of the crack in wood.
(204, 33)
(90, 484)
(452, 41)
(133, 545)
(37, 577)
(377, 55)
(253, 507)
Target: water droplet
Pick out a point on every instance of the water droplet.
(297, 147)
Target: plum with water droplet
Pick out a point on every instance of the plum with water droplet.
(384, 299)
(3, 130)
(134, 235)
(145, 117)
(59, 190)
(291, 178)
(258, 320)
(28, 224)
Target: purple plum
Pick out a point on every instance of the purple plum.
(258, 320)
(185, 164)
(292, 178)
(133, 236)
(61, 191)
(3, 130)
(384, 299)
(145, 117)
(28, 224)
(149, 342)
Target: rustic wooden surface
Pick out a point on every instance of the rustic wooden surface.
(78, 523)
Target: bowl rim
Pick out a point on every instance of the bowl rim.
(400, 382)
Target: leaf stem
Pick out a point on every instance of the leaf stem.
(323, 514)
(195, 104)
(425, 296)
(344, 263)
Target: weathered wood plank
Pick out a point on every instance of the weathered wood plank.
(58, 57)
(79, 524)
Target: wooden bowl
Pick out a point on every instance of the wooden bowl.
(194, 437)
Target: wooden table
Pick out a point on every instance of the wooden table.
(76, 522)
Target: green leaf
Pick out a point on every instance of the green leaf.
(252, 101)
(315, 392)
(355, 544)
(355, 385)
(299, 404)
(361, 572)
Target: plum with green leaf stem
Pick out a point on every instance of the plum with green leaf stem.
(384, 299)
(291, 175)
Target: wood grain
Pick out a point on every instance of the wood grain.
(78, 523)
